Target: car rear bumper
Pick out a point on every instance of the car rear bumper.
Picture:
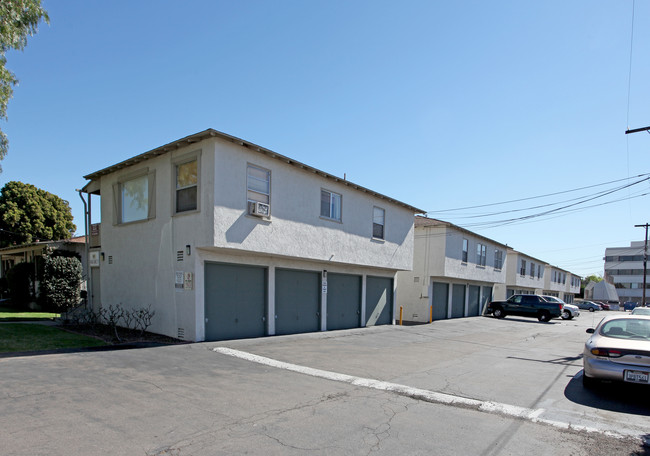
(606, 370)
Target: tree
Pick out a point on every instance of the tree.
(18, 20)
(591, 278)
(28, 214)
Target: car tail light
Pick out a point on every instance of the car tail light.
(608, 352)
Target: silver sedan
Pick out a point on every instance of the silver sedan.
(618, 350)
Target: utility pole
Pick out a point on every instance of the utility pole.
(645, 247)
(645, 258)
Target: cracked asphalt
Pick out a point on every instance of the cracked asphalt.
(189, 400)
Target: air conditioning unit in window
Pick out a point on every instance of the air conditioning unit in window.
(259, 209)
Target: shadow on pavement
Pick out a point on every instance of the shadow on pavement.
(126, 346)
(613, 396)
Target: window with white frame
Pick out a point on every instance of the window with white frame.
(330, 205)
(258, 184)
(498, 259)
(187, 184)
(133, 197)
(465, 250)
(481, 254)
(532, 270)
(539, 271)
(378, 218)
(522, 269)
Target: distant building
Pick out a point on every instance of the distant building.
(32, 252)
(601, 291)
(624, 269)
(455, 272)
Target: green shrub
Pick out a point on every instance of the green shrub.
(62, 278)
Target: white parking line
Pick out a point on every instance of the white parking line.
(532, 415)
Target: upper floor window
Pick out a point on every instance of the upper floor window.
(465, 250)
(522, 269)
(532, 270)
(378, 216)
(133, 198)
(539, 271)
(258, 184)
(481, 254)
(187, 182)
(498, 259)
(330, 205)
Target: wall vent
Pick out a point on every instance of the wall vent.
(416, 279)
(110, 259)
(181, 333)
(179, 255)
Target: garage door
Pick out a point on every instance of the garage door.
(473, 304)
(297, 301)
(457, 301)
(343, 301)
(379, 301)
(235, 301)
(440, 298)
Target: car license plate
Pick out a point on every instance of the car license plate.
(637, 376)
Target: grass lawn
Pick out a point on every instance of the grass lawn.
(9, 314)
(17, 337)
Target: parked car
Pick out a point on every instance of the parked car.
(640, 311)
(603, 305)
(568, 310)
(588, 305)
(618, 350)
(525, 306)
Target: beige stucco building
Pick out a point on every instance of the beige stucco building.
(227, 239)
(455, 272)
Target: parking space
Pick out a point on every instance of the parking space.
(189, 399)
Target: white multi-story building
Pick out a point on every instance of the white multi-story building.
(525, 274)
(226, 239)
(455, 272)
(561, 284)
(624, 268)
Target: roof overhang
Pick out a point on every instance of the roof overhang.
(93, 186)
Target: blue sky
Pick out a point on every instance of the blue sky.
(441, 105)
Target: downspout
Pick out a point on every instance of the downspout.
(86, 268)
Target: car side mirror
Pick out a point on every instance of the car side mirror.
(590, 330)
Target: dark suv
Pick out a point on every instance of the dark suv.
(525, 306)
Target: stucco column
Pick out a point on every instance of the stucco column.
(449, 299)
(466, 310)
(323, 301)
(363, 301)
(270, 304)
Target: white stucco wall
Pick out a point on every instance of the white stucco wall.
(144, 253)
(296, 228)
(515, 280)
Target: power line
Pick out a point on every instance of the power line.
(535, 197)
(556, 213)
(602, 193)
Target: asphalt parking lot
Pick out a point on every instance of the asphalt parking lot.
(466, 386)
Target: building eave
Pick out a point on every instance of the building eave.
(211, 133)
